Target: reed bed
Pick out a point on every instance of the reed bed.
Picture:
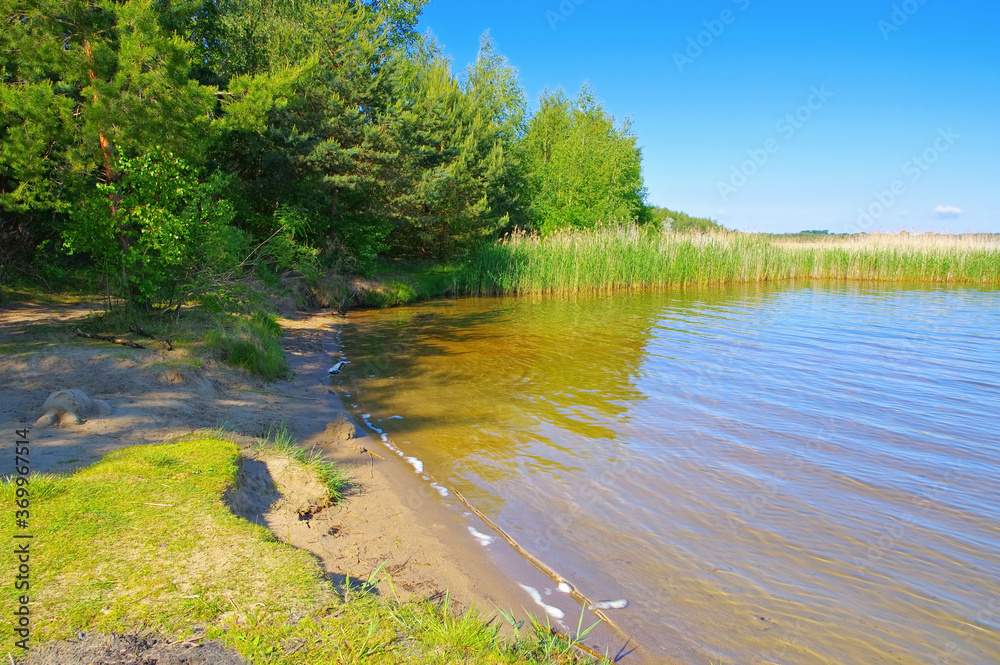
(630, 257)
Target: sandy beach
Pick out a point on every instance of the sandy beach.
(390, 524)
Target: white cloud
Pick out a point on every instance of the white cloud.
(947, 211)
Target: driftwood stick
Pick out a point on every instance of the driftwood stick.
(372, 457)
(109, 338)
(139, 330)
(578, 644)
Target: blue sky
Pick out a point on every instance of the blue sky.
(772, 115)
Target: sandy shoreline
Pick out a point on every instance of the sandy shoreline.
(392, 523)
(391, 518)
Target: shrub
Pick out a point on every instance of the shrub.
(159, 232)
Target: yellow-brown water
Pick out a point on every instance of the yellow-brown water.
(801, 474)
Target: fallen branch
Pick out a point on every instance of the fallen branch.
(139, 330)
(578, 644)
(264, 392)
(372, 457)
(109, 338)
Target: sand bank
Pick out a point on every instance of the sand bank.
(391, 522)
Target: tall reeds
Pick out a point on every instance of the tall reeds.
(632, 257)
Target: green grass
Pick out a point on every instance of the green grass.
(278, 440)
(250, 342)
(630, 257)
(143, 541)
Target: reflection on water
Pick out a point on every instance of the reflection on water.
(784, 474)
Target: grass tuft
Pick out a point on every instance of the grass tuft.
(251, 343)
(279, 440)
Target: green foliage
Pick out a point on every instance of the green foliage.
(492, 84)
(678, 222)
(288, 247)
(455, 180)
(329, 134)
(326, 149)
(582, 169)
(386, 294)
(159, 230)
(81, 82)
(84, 81)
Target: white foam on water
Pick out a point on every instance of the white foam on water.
(425, 477)
(553, 612)
(565, 588)
(417, 464)
(443, 491)
(369, 423)
(389, 444)
(483, 539)
(394, 418)
(548, 592)
(609, 605)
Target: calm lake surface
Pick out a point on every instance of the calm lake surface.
(804, 473)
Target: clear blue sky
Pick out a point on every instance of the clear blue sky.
(923, 81)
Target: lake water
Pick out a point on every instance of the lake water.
(801, 473)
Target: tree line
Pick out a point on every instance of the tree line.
(168, 142)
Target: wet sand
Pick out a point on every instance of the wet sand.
(391, 520)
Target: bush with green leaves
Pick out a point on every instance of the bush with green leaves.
(161, 232)
(582, 168)
(679, 222)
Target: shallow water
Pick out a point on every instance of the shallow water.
(805, 473)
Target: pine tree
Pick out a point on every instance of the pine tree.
(85, 87)
(83, 82)
(457, 180)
